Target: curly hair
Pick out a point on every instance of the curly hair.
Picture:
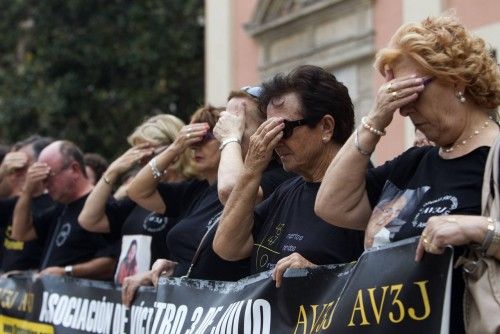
(162, 130)
(443, 48)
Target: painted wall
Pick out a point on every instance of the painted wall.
(230, 54)
(232, 57)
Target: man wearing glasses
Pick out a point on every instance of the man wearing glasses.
(69, 249)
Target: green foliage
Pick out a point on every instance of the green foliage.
(91, 70)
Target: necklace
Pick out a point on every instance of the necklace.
(465, 141)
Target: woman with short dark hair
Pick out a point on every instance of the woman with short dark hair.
(309, 116)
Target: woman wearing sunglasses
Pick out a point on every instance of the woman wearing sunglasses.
(309, 116)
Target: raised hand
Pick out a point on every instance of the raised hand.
(13, 161)
(37, 174)
(262, 144)
(231, 123)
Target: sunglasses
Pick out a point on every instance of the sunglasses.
(254, 91)
(290, 125)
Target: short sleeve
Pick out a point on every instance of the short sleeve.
(397, 170)
(178, 197)
(263, 209)
(272, 177)
(117, 212)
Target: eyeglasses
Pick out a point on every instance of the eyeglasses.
(254, 91)
(290, 125)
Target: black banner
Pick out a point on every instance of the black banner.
(385, 291)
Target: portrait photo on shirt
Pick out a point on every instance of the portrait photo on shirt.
(395, 208)
(135, 256)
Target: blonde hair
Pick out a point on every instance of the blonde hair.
(162, 130)
(207, 114)
(445, 49)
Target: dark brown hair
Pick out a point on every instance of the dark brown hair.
(319, 94)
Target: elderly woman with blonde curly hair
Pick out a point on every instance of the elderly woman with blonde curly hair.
(445, 80)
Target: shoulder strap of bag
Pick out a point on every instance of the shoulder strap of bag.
(489, 206)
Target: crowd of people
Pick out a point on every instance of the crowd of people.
(278, 178)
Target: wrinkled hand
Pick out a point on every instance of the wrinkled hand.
(190, 134)
(129, 159)
(262, 144)
(37, 173)
(132, 283)
(231, 123)
(391, 96)
(162, 267)
(294, 260)
(14, 161)
(451, 230)
(51, 271)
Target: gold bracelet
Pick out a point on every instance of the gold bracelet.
(370, 128)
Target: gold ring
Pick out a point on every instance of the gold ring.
(424, 235)
(425, 241)
(188, 136)
(389, 87)
(394, 95)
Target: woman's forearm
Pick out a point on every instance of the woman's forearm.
(233, 238)
(341, 198)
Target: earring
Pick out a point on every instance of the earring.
(460, 97)
(325, 139)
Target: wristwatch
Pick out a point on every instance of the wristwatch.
(68, 270)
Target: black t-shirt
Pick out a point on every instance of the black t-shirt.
(286, 223)
(419, 184)
(66, 242)
(192, 204)
(6, 209)
(22, 255)
(145, 228)
(211, 266)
